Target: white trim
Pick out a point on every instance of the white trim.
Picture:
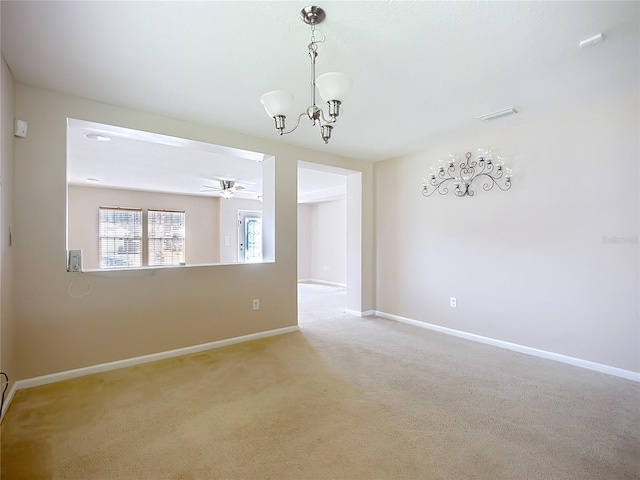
(326, 282)
(337, 192)
(154, 357)
(578, 362)
(7, 400)
(366, 313)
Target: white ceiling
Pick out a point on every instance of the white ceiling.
(422, 70)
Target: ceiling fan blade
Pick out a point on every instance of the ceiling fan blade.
(228, 179)
(212, 187)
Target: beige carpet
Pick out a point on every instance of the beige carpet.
(346, 398)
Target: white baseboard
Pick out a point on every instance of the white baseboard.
(129, 362)
(578, 362)
(366, 313)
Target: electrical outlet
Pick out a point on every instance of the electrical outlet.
(75, 261)
(452, 302)
(256, 304)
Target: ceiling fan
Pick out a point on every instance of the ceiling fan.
(227, 188)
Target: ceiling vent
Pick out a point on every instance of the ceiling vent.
(587, 42)
(498, 114)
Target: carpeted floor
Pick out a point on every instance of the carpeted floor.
(345, 398)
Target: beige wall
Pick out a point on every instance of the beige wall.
(7, 318)
(201, 215)
(326, 237)
(536, 265)
(128, 314)
(533, 266)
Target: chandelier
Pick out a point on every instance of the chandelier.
(333, 87)
(486, 170)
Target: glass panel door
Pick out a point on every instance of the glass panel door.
(249, 236)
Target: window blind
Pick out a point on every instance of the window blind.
(120, 234)
(166, 237)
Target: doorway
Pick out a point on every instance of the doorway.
(329, 230)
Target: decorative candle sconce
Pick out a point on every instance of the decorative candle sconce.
(486, 169)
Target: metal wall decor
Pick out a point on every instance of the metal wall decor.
(486, 170)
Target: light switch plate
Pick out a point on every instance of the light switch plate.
(20, 128)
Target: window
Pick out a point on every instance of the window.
(124, 243)
(120, 234)
(165, 231)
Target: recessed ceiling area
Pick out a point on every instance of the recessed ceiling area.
(422, 71)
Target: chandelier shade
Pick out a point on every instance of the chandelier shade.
(334, 86)
(277, 102)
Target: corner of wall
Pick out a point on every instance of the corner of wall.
(7, 315)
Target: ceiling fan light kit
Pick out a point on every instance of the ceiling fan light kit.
(227, 188)
(333, 87)
(488, 170)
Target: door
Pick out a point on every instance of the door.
(249, 236)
